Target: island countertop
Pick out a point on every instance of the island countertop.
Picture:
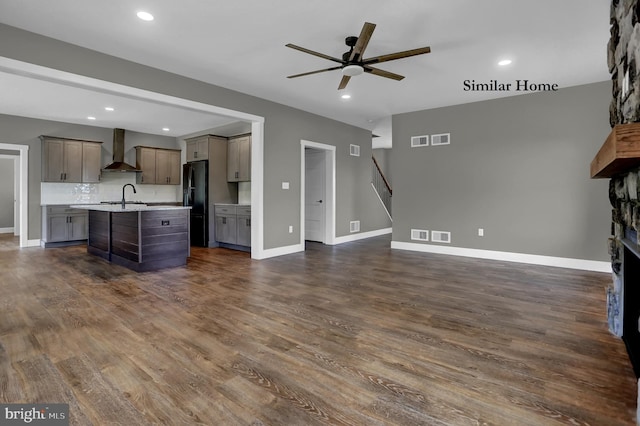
(115, 208)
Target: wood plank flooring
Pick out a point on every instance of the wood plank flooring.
(355, 334)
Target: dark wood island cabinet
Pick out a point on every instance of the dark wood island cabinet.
(142, 238)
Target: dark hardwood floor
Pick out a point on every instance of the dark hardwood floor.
(355, 334)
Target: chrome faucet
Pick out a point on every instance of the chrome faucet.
(123, 187)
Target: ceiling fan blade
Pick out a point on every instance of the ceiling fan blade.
(397, 55)
(318, 54)
(363, 41)
(344, 82)
(382, 73)
(314, 72)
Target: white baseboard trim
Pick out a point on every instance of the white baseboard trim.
(296, 248)
(362, 235)
(6, 230)
(281, 251)
(33, 243)
(533, 259)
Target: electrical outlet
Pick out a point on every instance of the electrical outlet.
(480, 232)
(291, 229)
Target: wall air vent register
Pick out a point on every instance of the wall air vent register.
(420, 235)
(419, 140)
(441, 139)
(441, 236)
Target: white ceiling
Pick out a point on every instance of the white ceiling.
(241, 45)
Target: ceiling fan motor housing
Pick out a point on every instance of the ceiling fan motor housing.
(351, 41)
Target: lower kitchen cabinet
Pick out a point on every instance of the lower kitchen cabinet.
(233, 224)
(243, 226)
(62, 225)
(226, 228)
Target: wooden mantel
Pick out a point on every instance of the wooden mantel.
(620, 152)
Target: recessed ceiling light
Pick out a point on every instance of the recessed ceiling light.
(145, 16)
(346, 96)
(109, 109)
(165, 129)
(504, 62)
(91, 117)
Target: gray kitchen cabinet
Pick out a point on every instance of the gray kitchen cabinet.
(225, 217)
(220, 190)
(239, 159)
(70, 160)
(226, 229)
(233, 224)
(243, 226)
(159, 166)
(62, 224)
(168, 167)
(146, 161)
(91, 162)
(198, 148)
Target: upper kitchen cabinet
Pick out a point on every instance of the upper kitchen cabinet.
(70, 160)
(239, 159)
(159, 166)
(91, 162)
(198, 148)
(168, 167)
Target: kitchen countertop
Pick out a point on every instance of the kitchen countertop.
(129, 207)
(93, 203)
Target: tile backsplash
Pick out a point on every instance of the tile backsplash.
(110, 189)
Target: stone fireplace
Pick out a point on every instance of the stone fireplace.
(619, 160)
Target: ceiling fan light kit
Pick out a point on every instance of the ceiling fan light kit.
(352, 70)
(352, 62)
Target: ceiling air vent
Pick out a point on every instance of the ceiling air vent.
(441, 236)
(441, 139)
(419, 141)
(354, 150)
(420, 235)
(354, 226)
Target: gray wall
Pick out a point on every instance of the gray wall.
(284, 128)
(26, 131)
(517, 167)
(7, 179)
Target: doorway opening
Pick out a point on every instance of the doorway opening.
(9, 194)
(61, 77)
(317, 193)
(21, 191)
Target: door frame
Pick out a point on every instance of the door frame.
(23, 164)
(66, 78)
(329, 188)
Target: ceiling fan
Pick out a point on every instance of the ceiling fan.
(352, 62)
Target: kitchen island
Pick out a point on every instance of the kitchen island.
(139, 237)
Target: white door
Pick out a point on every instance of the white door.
(314, 192)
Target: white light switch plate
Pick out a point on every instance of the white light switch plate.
(285, 185)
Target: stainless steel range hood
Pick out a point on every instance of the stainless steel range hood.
(118, 164)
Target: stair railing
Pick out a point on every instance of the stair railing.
(381, 186)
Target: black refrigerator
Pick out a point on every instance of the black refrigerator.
(195, 180)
